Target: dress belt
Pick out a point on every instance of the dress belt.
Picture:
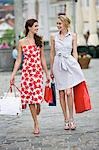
(63, 57)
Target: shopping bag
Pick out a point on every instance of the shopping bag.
(81, 98)
(48, 97)
(24, 106)
(10, 104)
(53, 103)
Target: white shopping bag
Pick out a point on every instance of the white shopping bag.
(10, 105)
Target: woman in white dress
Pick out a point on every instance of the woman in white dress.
(65, 68)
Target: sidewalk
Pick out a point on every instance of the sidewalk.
(16, 132)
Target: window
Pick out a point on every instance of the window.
(57, 8)
(86, 27)
(98, 29)
(42, 20)
(97, 3)
(54, 10)
(62, 8)
(59, 0)
(87, 3)
(55, 1)
(97, 24)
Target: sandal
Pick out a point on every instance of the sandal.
(72, 124)
(36, 131)
(66, 126)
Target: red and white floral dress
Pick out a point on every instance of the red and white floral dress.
(32, 76)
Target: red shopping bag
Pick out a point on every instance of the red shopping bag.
(81, 98)
(53, 103)
(48, 94)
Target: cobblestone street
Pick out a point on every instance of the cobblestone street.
(16, 133)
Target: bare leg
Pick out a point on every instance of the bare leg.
(38, 109)
(72, 124)
(63, 103)
(33, 110)
(70, 102)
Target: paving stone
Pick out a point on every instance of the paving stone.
(16, 133)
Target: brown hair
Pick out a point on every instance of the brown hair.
(38, 39)
(65, 20)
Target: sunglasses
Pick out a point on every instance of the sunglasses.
(58, 23)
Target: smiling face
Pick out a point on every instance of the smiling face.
(34, 28)
(63, 23)
(60, 25)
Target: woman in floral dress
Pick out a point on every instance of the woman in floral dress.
(32, 73)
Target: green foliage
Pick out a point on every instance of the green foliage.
(8, 36)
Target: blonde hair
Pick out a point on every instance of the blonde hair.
(65, 20)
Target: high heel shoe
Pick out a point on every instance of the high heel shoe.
(66, 125)
(72, 124)
(36, 131)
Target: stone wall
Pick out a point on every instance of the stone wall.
(6, 60)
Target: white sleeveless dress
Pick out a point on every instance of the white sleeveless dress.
(66, 69)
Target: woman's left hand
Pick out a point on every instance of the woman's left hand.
(47, 78)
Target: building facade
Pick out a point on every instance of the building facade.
(84, 15)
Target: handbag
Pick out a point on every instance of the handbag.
(81, 98)
(53, 103)
(48, 97)
(10, 104)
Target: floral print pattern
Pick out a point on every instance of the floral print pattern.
(32, 76)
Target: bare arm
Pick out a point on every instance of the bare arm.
(52, 52)
(43, 61)
(75, 54)
(17, 63)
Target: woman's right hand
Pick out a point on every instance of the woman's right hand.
(12, 79)
(51, 74)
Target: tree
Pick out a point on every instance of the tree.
(9, 36)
